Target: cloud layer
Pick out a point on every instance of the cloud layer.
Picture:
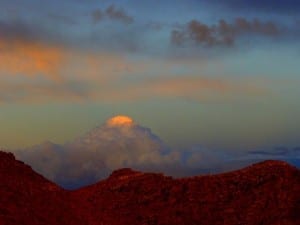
(31, 59)
(33, 71)
(100, 151)
(119, 143)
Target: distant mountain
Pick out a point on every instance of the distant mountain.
(265, 193)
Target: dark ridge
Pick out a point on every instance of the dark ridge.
(265, 193)
(6, 155)
(28, 198)
(123, 172)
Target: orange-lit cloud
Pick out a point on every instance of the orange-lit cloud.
(119, 121)
(34, 59)
(196, 88)
(31, 71)
(31, 59)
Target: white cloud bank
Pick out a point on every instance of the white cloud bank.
(119, 143)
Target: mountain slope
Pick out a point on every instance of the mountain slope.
(28, 198)
(265, 193)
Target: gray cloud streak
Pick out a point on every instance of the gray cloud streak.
(269, 6)
(42, 90)
(16, 30)
(97, 15)
(223, 33)
(118, 14)
(113, 13)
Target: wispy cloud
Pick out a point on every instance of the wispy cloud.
(40, 90)
(224, 33)
(270, 6)
(31, 59)
(99, 87)
(278, 151)
(113, 13)
(97, 15)
(194, 88)
(118, 14)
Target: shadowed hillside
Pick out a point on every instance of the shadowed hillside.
(264, 193)
(28, 198)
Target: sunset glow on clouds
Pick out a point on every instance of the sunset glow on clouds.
(40, 73)
(220, 75)
(30, 59)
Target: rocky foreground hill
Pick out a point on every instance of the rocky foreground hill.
(262, 194)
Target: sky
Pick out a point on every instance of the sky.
(219, 75)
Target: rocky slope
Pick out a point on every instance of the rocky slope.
(27, 198)
(265, 193)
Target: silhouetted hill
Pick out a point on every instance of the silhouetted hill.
(27, 198)
(265, 193)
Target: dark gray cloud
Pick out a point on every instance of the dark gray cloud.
(271, 6)
(29, 32)
(118, 14)
(277, 151)
(57, 29)
(113, 13)
(97, 15)
(297, 149)
(224, 33)
(15, 30)
(290, 155)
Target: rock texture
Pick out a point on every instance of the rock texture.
(27, 198)
(263, 194)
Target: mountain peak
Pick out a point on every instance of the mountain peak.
(272, 165)
(124, 173)
(6, 155)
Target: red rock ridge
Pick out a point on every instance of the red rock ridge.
(267, 193)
